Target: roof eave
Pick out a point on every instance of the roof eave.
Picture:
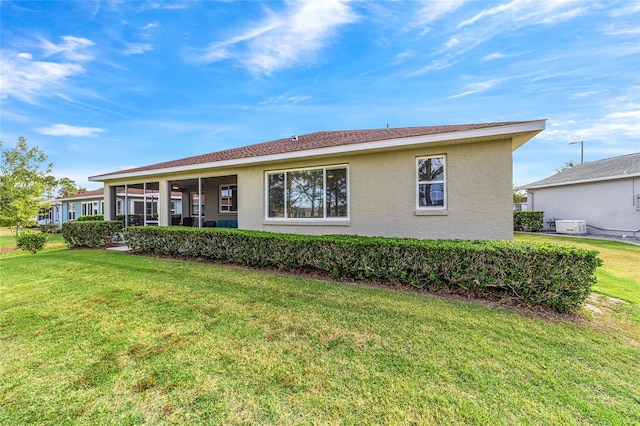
(524, 132)
(577, 182)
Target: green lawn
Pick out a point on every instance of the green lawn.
(619, 277)
(95, 337)
(8, 243)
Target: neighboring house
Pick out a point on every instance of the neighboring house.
(604, 193)
(65, 209)
(422, 182)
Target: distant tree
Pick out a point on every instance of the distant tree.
(24, 178)
(566, 166)
(519, 195)
(67, 187)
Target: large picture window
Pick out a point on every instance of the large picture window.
(315, 193)
(431, 185)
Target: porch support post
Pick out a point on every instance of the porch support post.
(164, 203)
(144, 203)
(126, 205)
(109, 203)
(199, 202)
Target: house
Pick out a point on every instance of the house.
(437, 182)
(604, 193)
(69, 208)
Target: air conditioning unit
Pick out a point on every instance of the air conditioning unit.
(575, 227)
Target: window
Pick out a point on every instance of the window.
(319, 193)
(119, 206)
(71, 213)
(90, 208)
(228, 198)
(195, 205)
(431, 188)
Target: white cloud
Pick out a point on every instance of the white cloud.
(479, 87)
(284, 40)
(73, 131)
(285, 98)
(25, 79)
(493, 56)
(137, 48)
(71, 48)
(431, 11)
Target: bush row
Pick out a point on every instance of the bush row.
(90, 217)
(558, 277)
(92, 234)
(528, 221)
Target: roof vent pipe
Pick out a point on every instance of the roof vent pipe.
(294, 138)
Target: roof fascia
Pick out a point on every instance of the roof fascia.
(577, 182)
(530, 127)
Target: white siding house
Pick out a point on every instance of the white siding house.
(604, 193)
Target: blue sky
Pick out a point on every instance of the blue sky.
(106, 85)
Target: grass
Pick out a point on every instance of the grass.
(100, 337)
(619, 277)
(8, 243)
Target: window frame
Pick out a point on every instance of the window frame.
(234, 193)
(71, 209)
(442, 181)
(308, 220)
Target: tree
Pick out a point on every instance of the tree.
(519, 195)
(25, 177)
(67, 187)
(566, 166)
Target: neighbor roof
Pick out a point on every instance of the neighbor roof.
(610, 168)
(328, 140)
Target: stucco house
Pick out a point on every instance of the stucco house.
(65, 209)
(604, 193)
(435, 182)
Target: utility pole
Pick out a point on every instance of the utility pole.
(581, 150)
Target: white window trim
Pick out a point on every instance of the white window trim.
(310, 221)
(227, 185)
(431, 210)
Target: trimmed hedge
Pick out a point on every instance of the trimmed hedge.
(92, 234)
(89, 217)
(528, 221)
(556, 276)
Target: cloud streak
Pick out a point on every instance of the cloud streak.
(67, 130)
(283, 40)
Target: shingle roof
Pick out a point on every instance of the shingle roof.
(99, 193)
(609, 168)
(323, 139)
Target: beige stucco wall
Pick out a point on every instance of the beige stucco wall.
(383, 194)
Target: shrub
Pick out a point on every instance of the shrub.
(528, 221)
(92, 234)
(89, 217)
(31, 242)
(559, 277)
(49, 228)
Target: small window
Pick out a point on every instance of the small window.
(71, 213)
(228, 199)
(431, 183)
